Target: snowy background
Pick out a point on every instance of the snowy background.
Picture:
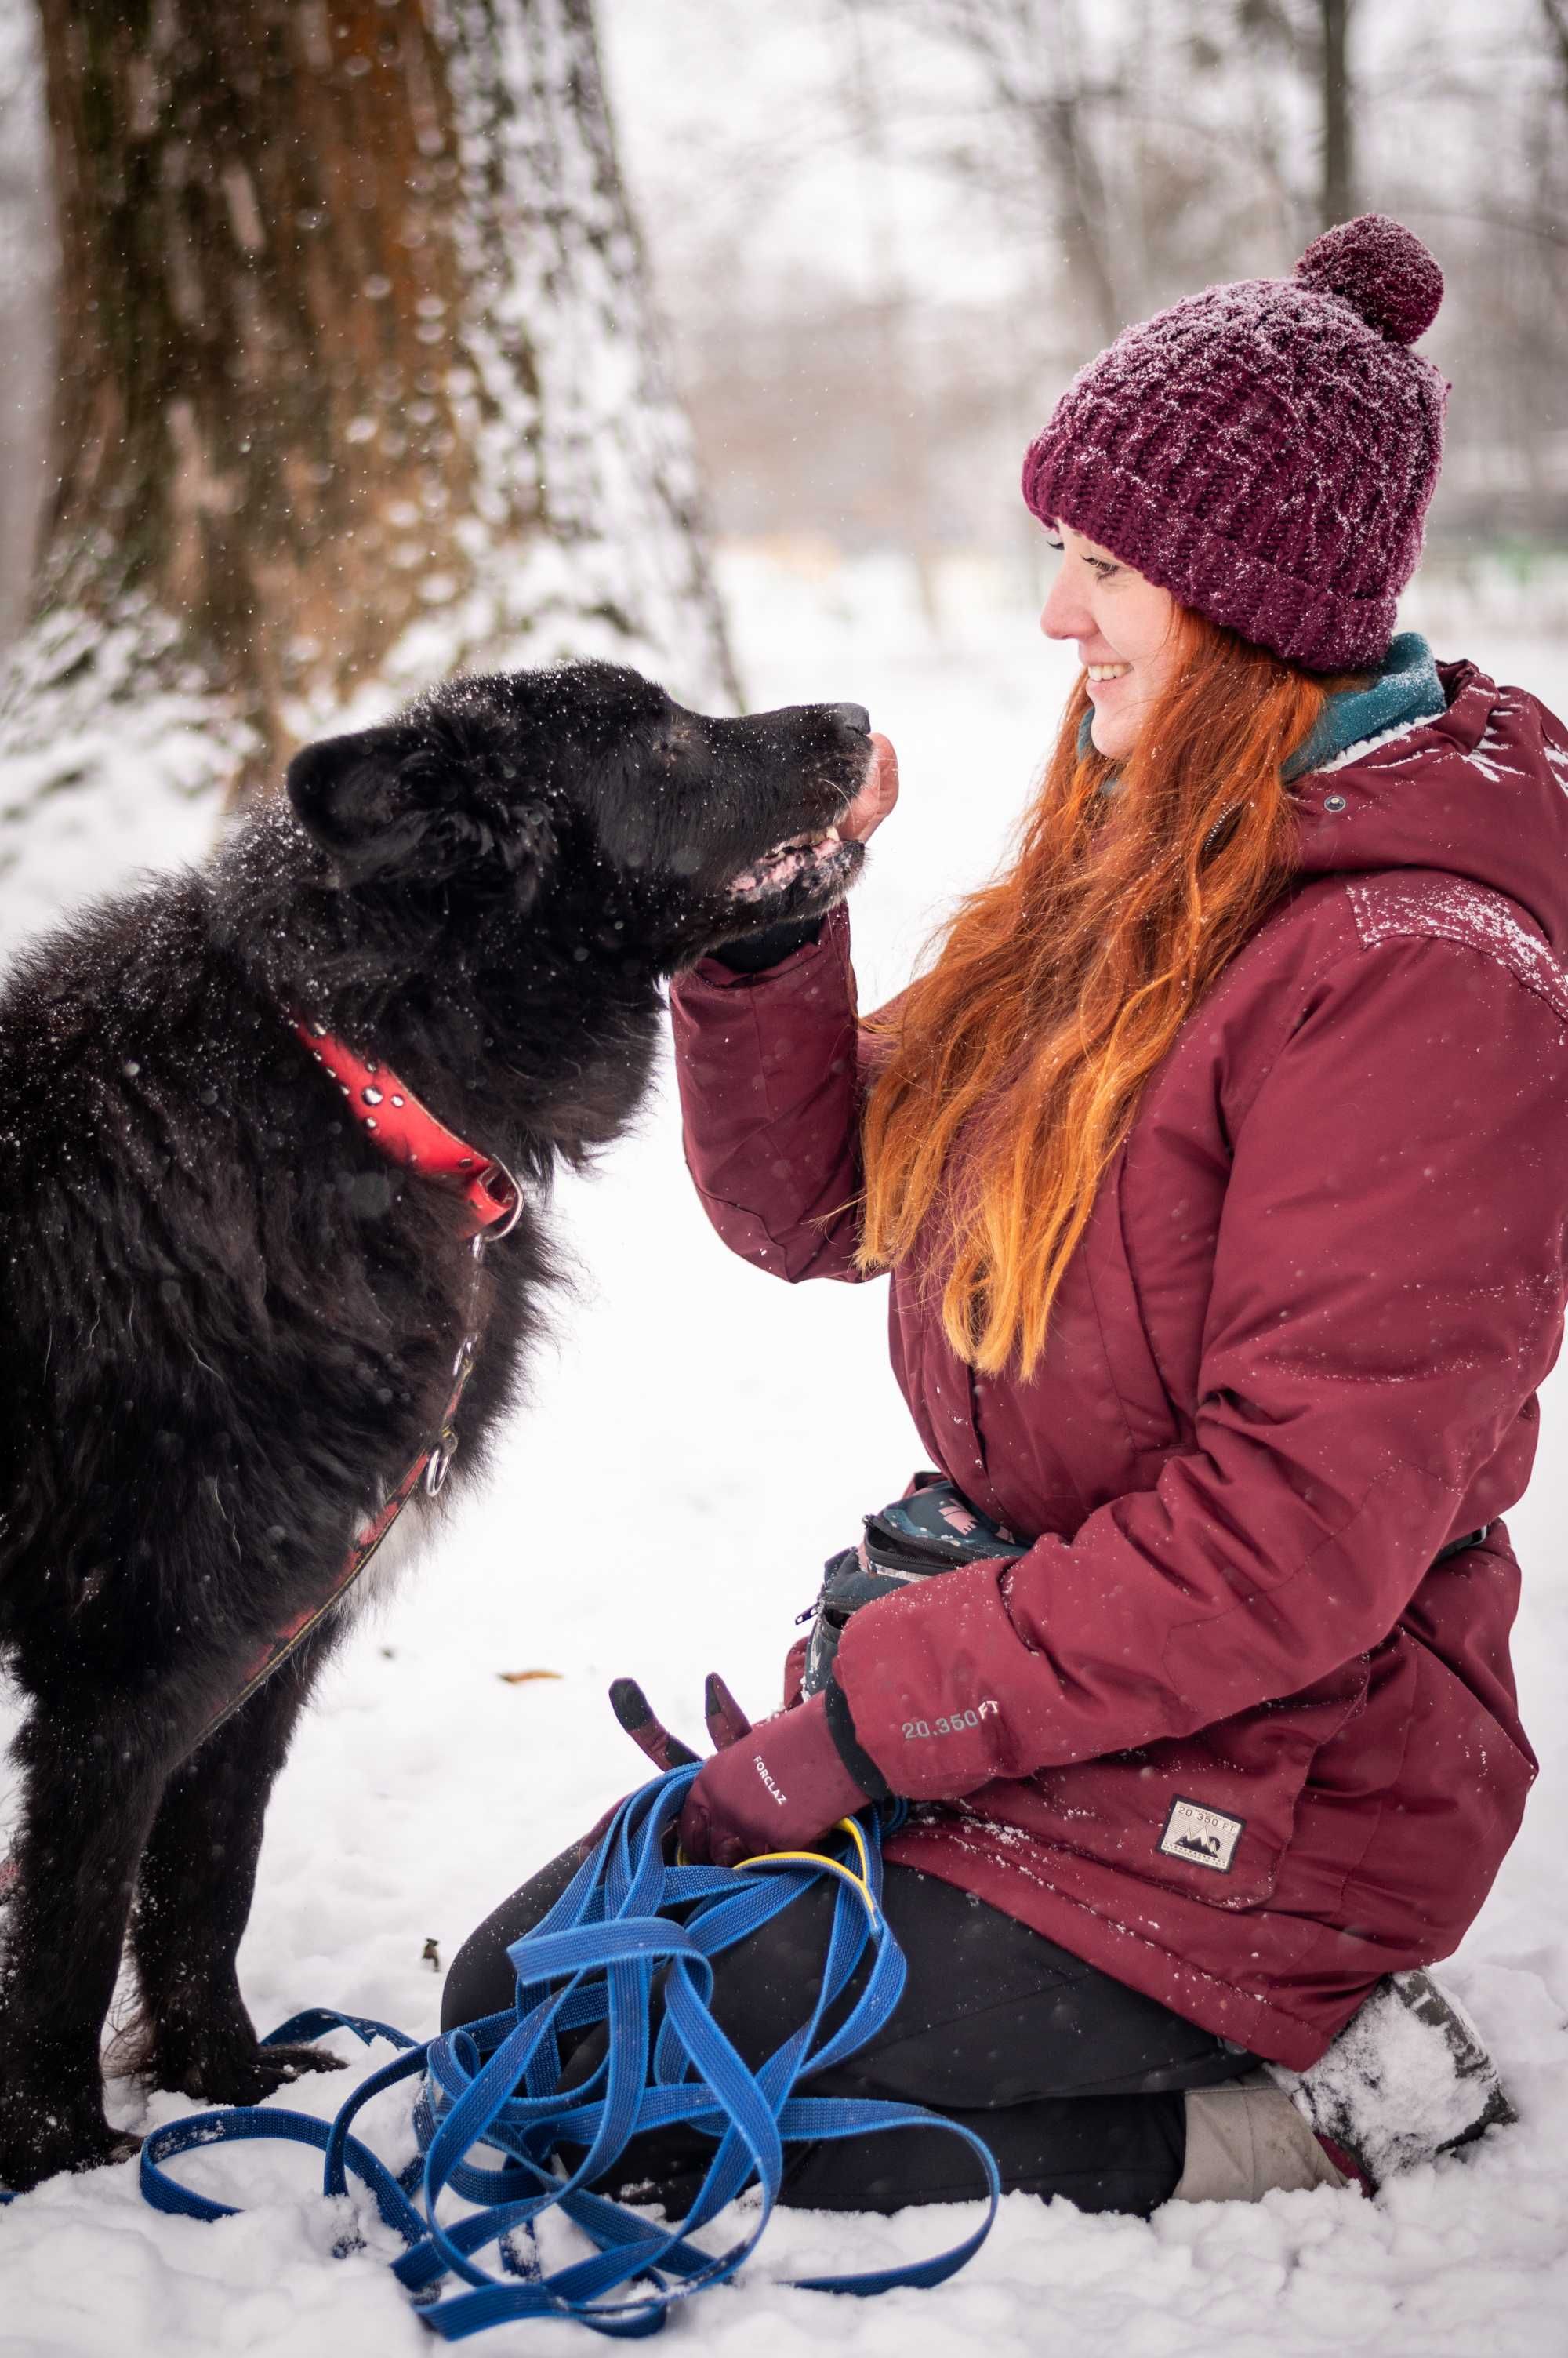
(682, 1384)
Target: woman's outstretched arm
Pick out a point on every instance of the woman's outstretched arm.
(770, 1093)
(770, 1060)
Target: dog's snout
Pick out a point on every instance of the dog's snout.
(854, 716)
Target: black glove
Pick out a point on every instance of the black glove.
(753, 953)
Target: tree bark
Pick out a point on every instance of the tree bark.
(357, 384)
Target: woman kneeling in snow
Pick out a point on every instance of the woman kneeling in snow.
(1217, 1160)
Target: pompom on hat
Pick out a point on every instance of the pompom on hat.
(1266, 450)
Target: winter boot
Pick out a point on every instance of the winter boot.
(1406, 2080)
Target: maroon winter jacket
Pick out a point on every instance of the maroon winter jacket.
(1229, 1730)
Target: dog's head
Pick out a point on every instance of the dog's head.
(588, 790)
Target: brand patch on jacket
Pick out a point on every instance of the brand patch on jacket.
(1202, 1837)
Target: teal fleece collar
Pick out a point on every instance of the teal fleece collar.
(1405, 691)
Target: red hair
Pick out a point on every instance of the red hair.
(1012, 1068)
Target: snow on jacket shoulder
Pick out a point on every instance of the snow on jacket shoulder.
(1231, 1729)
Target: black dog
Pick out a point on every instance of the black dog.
(230, 1319)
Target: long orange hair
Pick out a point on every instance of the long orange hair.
(1010, 1069)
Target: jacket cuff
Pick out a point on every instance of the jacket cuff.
(914, 1660)
(851, 1752)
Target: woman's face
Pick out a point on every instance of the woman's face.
(1123, 627)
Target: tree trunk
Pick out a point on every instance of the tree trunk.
(1556, 14)
(357, 386)
(26, 305)
(1084, 212)
(1039, 63)
(1338, 199)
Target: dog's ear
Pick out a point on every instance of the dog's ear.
(348, 796)
(383, 809)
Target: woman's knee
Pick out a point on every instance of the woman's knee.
(479, 1979)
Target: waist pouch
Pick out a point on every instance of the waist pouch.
(931, 1529)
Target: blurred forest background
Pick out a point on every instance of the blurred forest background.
(886, 231)
(883, 233)
(381, 324)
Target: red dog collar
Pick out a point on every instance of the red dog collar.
(408, 1133)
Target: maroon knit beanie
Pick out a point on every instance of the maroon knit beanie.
(1266, 450)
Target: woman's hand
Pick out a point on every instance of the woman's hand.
(876, 797)
(777, 1786)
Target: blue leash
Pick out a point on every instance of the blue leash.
(496, 2083)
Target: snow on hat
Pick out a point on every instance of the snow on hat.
(1266, 450)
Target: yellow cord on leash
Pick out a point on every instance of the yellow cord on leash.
(858, 1884)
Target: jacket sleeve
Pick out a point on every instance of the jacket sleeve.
(770, 1091)
(1387, 1296)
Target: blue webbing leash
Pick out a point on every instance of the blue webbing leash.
(496, 2083)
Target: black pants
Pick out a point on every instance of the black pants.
(1072, 2079)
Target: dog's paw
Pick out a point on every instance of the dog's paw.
(290, 2062)
(243, 2075)
(55, 2139)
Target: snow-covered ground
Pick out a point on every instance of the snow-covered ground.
(714, 1436)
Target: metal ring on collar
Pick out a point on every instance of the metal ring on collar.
(493, 1236)
(440, 1462)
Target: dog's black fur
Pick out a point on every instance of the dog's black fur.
(229, 1322)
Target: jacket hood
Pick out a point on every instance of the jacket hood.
(1479, 791)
